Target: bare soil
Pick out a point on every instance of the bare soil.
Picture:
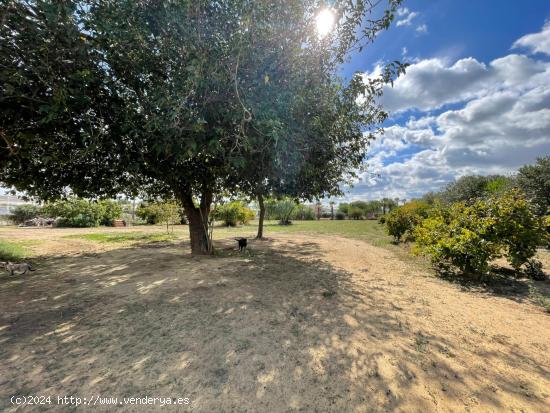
(299, 323)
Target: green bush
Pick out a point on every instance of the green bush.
(469, 237)
(355, 212)
(148, 212)
(281, 210)
(167, 212)
(303, 212)
(233, 213)
(22, 213)
(401, 221)
(340, 216)
(382, 219)
(113, 210)
(76, 212)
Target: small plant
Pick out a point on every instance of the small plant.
(533, 270)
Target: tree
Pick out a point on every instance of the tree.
(388, 205)
(355, 212)
(183, 99)
(332, 203)
(22, 213)
(534, 180)
(470, 188)
(343, 207)
(168, 212)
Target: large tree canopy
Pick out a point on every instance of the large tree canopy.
(184, 98)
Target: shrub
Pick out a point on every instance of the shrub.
(22, 213)
(112, 211)
(546, 225)
(75, 212)
(533, 269)
(469, 237)
(340, 216)
(303, 212)
(355, 212)
(403, 220)
(280, 209)
(233, 213)
(167, 212)
(382, 219)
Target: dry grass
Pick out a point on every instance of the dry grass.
(300, 323)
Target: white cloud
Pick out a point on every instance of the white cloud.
(499, 121)
(423, 28)
(432, 83)
(407, 15)
(536, 42)
(402, 11)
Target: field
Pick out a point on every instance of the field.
(321, 316)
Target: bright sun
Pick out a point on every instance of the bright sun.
(325, 22)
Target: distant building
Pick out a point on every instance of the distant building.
(8, 203)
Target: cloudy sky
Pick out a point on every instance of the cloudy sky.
(475, 98)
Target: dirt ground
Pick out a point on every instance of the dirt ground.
(299, 323)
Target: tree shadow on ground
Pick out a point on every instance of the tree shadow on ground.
(502, 282)
(273, 330)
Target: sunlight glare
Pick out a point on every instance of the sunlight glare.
(325, 22)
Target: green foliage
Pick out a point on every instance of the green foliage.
(148, 212)
(82, 213)
(76, 212)
(112, 211)
(280, 209)
(534, 180)
(343, 208)
(22, 213)
(355, 212)
(233, 213)
(185, 99)
(403, 220)
(340, 216)
(546, 225)
(303, 213)
(166, 212)
(533, 269)
(473, 187)
(469, 237)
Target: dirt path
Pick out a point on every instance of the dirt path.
(301, 323)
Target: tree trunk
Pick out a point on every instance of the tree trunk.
(198, 223)
(262, 216)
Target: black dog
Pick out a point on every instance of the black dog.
(242, 243)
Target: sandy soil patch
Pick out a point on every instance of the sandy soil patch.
(300, 323)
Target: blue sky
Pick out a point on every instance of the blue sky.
(476, 98)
